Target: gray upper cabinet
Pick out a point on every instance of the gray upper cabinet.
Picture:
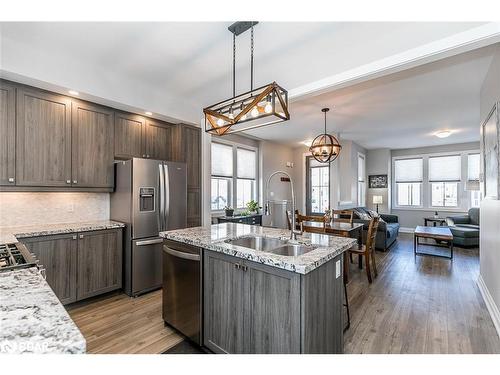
(58, 255)
(92, 145)
(223, 304)
(129, 134)
(7, 134)
(158, 140)
(43, 140)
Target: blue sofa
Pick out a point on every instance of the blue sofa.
(387, 232)
(465, 228)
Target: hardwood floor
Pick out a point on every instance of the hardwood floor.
(422, 305)
(120, 324)
(419, 305)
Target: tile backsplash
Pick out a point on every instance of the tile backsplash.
(52, 208)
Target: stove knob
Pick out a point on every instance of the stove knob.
(11, 179)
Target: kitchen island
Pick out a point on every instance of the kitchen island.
(265, 301)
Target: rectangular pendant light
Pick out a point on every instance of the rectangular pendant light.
(263, 106)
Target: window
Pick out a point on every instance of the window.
(361, 180)
(444, 177)
(473, 170)
(245, 187)
(222, 172)
(318, 192)
(408, 178)
(234, 173)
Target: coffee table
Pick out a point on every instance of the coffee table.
(439, 234)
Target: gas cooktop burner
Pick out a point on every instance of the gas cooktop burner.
(15, 256)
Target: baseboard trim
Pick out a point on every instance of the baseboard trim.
(490, 303)
(406, 230)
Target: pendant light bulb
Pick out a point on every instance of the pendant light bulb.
(255, 112)
(268, 108)
(220, 122)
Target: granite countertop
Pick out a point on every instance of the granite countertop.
(12, 234)
(32, 320)
(213, 237)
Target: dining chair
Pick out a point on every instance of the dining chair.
(318, 219)
(368, 250)
(343, 216)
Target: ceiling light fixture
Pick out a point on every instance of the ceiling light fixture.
(73, 92)
(258, 107)
(148, 113)
(443, 134)
(325, 148)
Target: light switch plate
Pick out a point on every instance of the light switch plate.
(337, 269)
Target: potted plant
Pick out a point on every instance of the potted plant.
(253, 207)
(229, 210)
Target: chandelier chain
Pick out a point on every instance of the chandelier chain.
(251, 58)
(234, 65)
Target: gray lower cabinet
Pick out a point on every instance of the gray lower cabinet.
(58, 255)
(80, 265)
(99, 262)
(255, 308)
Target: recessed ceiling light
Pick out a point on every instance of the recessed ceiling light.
(443, 134)
(73, 92)
(148, 113)
(307, 142)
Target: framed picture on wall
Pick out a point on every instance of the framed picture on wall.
(377, 181)
(490, 149)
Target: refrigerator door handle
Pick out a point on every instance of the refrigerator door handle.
(166, 210)
(161, 199)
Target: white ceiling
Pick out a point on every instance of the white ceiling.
(402, 110)
(176, 69)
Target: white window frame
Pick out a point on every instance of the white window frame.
(459, 183)
(234, 178)
(361, 184)
(395, 184)
(463, 196)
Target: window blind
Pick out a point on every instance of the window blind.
(246, 163)
(473, 167)
(408, 170)
(444, 168)
(222, 160)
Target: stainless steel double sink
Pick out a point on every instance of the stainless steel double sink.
(271, 245)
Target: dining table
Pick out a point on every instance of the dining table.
(338, 228)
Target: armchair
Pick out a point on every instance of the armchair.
(465, 228)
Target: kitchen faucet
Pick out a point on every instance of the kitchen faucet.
(294, 232)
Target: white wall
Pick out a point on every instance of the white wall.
(379, 162)
(489, 281)
(52, 208)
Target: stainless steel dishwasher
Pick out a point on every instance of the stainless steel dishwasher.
(182, 289)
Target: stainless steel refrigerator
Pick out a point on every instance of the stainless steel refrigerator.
(150, 196)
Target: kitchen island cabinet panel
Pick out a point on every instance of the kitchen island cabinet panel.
(57, 254)
(223, 300)
(272, 315)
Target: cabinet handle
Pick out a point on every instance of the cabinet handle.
(11, 179)
(81, 236)
(74, 237)
(244, 268)
(237, 266)
(68, 181)
(75, 181)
